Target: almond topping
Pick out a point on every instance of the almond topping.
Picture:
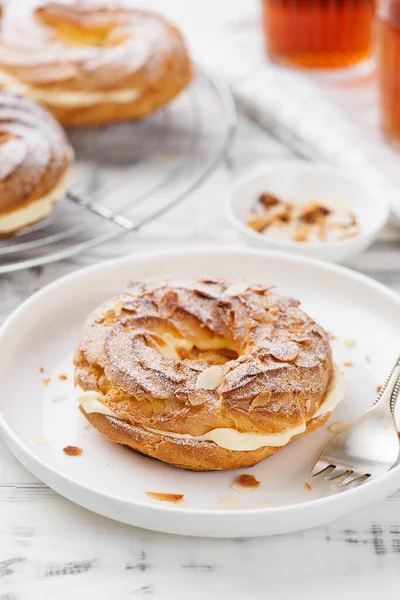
(349, 363)
(285, 352)
(169, 303)
(262, 399)
(118, 308)
(62, 377)
(165, 497)
(73, 450)
(236, 289)
(210, 378)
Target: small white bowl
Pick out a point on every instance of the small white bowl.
(296, 180)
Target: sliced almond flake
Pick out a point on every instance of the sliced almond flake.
(210, 378)
(349, 343)
(285, 352)
(162, 497)
(338, 427)
(241, 488)
(245, 483)
(262, 399)
(236, 289)
(72, 450)
(118, 308)
(230, 504)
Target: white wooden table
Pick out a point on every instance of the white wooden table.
(50, 548)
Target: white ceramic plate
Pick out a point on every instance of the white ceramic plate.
(38, 421)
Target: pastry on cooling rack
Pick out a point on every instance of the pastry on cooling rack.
(93, 63)
(206, 374)
(34, 163)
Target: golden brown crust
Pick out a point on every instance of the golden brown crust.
(34, 154)
(278, 380)
(192, 455)
(86, 48)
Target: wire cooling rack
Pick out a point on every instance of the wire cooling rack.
(129, 174)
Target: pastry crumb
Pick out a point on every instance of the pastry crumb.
(165, 497)
(378, 388)
(46, 381)
(307, 486)
(349, 343)
(72, 450)
(41, 369)
(62, 377)
(338, 427)
(332, 337)
(367, 359)
(349, 363)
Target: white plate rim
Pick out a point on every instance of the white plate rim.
(312, 504)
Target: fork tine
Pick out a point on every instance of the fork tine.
(320, 465)
(337, 472)
(354, 478)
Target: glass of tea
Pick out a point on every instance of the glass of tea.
(388, 33)
(319, 34)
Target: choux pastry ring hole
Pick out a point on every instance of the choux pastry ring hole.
(214, 349)
(91, 32)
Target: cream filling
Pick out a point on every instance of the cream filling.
(91, 404)
(66, 98)
(34, 211)
(230, 439)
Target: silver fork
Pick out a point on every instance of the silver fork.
(369, 447)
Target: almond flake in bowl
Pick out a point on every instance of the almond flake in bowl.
(311, 209)
(210, 378)
(308, 222)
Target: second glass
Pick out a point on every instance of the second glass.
(319, 34)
